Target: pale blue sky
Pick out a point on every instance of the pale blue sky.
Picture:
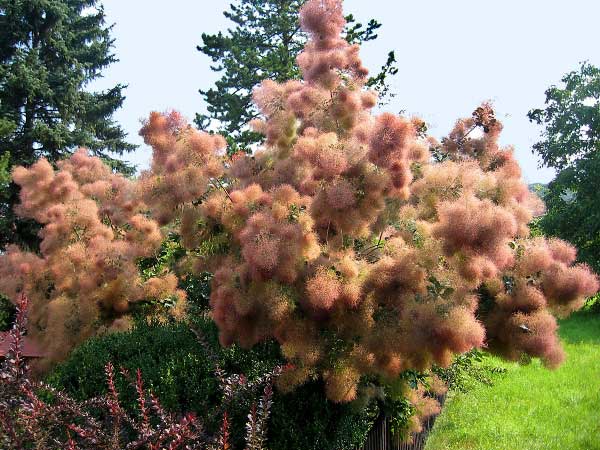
(452, 56)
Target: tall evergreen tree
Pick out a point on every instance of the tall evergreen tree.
(263, 44)
(50, 50)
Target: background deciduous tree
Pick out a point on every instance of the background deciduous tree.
(571, 145)
(50, 50)
(264, 44)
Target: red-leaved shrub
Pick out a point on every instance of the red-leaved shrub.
(35, 415)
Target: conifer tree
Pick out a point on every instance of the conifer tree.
(264, 44)
(50, 51)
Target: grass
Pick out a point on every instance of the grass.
(530, 407)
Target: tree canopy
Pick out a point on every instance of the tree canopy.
(263, 44)
(50, 52)
(571, 145)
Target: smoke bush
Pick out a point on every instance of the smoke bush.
(85, 279)
(365, 247)
(362, 246)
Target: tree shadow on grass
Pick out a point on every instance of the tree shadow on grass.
(581, 327)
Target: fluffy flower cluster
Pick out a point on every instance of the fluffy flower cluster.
(366, 248)
(85, 278)
(184, 162)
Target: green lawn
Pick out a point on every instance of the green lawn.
(530, 407)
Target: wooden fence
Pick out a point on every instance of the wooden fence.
(380, 437)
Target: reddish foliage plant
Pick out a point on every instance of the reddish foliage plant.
(34, 415)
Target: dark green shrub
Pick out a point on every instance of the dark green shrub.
(181, 371)
(306, 420)
(7, 313)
